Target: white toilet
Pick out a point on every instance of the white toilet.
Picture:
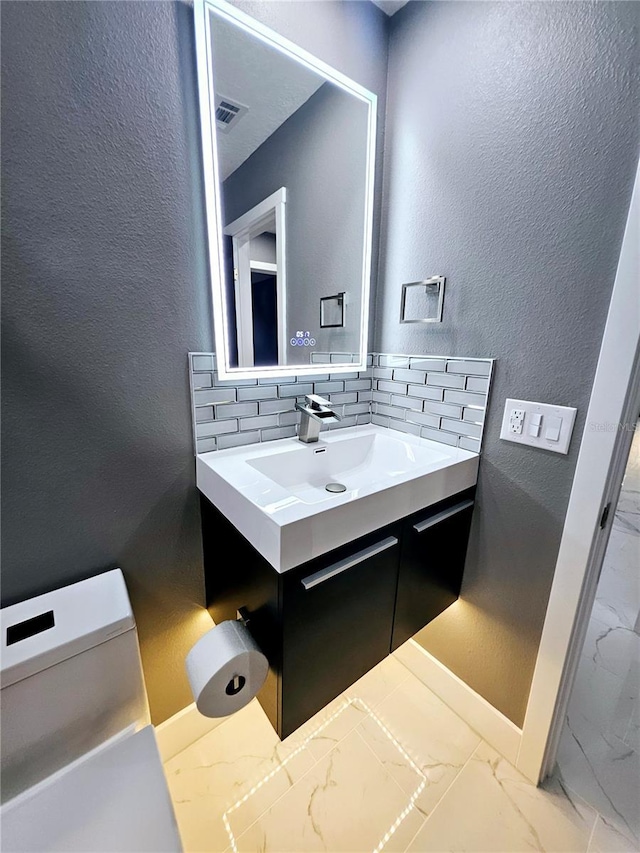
(80, 766)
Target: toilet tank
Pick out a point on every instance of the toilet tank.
(70, 678)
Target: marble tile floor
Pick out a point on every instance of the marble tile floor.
(386, 766)
(599, 754)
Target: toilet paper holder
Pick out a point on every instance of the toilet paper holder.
(242, 615)
(226, 668)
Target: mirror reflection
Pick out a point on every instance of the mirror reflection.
(293, 144)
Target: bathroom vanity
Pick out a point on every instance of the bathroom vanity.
(331, 583)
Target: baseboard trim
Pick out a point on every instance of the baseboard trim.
(183, 729)
(490, 723)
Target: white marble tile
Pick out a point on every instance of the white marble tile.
(618, 650)
(603, 698)
(347, 802)
(607, 838)
(598, 755)
(601, 769)
(209, 776)
(435, 739)
(371, 689)
(492, 807)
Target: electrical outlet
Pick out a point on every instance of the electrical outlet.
(516, 421)
(541, 425)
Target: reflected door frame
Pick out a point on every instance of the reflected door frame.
(241, 231)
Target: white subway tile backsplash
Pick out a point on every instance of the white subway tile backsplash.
(356, 408)
(439, 398)
(342, 377)
(236, 410)
(258, 392)
(202, 362)
(439, 435)
(204, 413)
(350, 397)
(381, 397)
(212, 428)
(248, 424)
(379, 420)
(477, 383)
(328, 387)
(445, 380)
(278, 432)
(217, 395)
(445, 409)
(357, 385)
(465, 398)
(429, 364)
(237, 440)
(270, 407)
(202, 380)
(469, 368)
(401, 426)
(461, 427)
(425, 392)
(391, 387)
(406, 402)
(288, 418)
(282, 380)
(389, 411)
(476, 416)
(393, 360)
(382, 373)
(417, 377)
(424, 418)
(298, 390)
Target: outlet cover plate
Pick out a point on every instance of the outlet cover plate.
(549, 415)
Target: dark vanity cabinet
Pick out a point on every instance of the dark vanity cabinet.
(337, 622)
(434, 547)
(325, 623)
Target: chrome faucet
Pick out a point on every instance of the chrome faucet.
(314, 410)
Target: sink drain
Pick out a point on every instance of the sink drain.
(335, 487)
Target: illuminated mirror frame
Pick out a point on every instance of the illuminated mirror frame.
(212, 184)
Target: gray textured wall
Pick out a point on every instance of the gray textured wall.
(105, 289)
(512, 143)
(319, 155)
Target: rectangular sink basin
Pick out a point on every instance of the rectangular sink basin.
(275, 493)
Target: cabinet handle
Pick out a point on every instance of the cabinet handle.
(331, 571)
(421, 526)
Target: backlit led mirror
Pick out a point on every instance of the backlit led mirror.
(288, 155)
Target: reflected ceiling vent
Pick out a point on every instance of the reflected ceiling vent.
(228, 113)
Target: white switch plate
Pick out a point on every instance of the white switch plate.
(566, 414)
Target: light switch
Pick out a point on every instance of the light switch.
(553, 427)
(535, 421)
(545, 426)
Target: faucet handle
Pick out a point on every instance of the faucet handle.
(316, 402)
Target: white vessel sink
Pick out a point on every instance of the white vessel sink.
(274, 493)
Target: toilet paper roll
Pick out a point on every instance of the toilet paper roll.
(226, 669)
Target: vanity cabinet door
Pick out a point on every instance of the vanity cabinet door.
(434, 548)
(337, 622)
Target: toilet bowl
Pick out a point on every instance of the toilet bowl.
(80, 766)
